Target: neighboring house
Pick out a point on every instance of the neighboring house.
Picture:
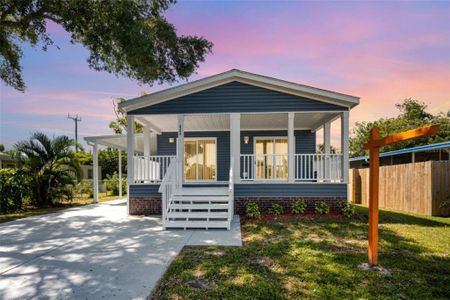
(431, 152)
(6, 161)
(211, 145)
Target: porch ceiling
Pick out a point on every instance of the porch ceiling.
(254, 121)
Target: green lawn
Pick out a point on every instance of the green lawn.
(32, 211)
(318, 259)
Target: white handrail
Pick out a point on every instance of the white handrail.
(168, 187)
(231, 192)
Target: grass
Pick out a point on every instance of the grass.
(33, 211)
(318, 259)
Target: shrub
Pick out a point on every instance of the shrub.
(322, 207)
(13, 189)
(85, 187)
(299, 206)
(112, 184)
(252, 210)
(347, 209)
(276, 209)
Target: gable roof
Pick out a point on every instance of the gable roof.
(243, 77)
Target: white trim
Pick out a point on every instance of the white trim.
(345, 145)
(120, 172)
(196, 170)
(235, 145)
(291, 147)
(95, 171)
(130, 156)
(243, 77)
(180, 149)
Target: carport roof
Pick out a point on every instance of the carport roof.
(118, 141)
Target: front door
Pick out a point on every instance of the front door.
(200, 159)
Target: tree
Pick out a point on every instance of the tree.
(84, 158)
(108, 160)
(2, 148)
(321, 149)
(125, 37)
(413, 114)
(120, 124)
(51, 165)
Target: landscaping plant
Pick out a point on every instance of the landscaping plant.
(13, 189)
(51, 166)
(299, 206)
(347, 209)
(322, 208)
(252, 210)
(276, 209)
(112, 184)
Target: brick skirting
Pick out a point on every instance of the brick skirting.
(265, 202)
(152, 205)
(145, 206)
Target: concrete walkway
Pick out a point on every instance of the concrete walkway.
(93, 252)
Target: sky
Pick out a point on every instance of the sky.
(381, 52)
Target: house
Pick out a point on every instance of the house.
(6, 161)
(211, 145)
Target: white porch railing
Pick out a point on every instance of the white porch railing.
(151, 169)
(168, 187)
(318, 167)
(264, 166)
(308, 167)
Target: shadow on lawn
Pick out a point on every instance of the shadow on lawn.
(307, 259)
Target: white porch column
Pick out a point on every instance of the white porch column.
(95, 171)
(345, 144)
(180, 150)
(146, 141)
(235, 145)
(120, 172)
(291, 147)
(130, 157)
(326, 138)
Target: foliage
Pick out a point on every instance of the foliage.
(108, 160)
(2, 147)
(112, 184)
(120, 124)
(413, 114)
(275, 209)
(318, 258)
(84, 187)
(321, 149)
(322, 207)
(128, 38)
(84, 158)
(299, 206)
(13, 190)
(347, 209)
(252, 210)
(51, 166)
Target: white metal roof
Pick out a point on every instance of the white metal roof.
(243, 77)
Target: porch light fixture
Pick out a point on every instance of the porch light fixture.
(171, 140)
(246, 139)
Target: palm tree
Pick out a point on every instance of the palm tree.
(51, 164)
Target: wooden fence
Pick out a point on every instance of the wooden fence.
(422, 188)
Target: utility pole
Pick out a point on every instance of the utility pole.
(76, 119)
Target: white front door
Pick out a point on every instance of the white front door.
(200, 159)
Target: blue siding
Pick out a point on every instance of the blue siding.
(236, 97)
(290, 190)
(223, 148)
(305, 140)
(144, 190)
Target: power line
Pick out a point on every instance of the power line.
(76, 119)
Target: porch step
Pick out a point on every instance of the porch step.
(198, 206)
(197, 215)
(202, 191)
(197, 224)
(200, 198)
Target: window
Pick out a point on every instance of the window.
(271, 158)
(200, 159)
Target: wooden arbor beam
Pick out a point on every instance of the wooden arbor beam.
(374, 145)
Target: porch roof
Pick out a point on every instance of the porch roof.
(118, 141)
(235, 75)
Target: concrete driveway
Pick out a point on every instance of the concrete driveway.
(92, 252)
